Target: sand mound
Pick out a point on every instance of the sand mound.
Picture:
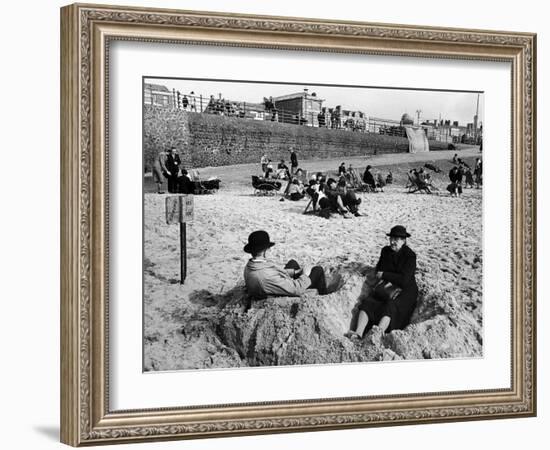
(231, 330)
(209, 321)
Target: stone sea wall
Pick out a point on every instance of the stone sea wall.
(210, 140)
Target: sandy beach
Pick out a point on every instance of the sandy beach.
(446, 236)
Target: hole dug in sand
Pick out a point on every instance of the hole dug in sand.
(230, 330)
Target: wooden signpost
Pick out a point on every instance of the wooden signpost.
(180, 209)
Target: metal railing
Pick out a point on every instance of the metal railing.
(330, 118)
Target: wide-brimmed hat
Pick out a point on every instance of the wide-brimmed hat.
(398, 231)
(257, 241)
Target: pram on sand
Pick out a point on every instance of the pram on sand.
(264, 186)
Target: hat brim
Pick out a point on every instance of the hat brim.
(398, 235)
(250, 248)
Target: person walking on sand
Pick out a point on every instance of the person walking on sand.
(468, 178)
(262, 278)
(455, 176)
(478, 172)
(394, 296)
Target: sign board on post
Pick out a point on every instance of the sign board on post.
(180, 209)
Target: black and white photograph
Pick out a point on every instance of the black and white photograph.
(292, 224)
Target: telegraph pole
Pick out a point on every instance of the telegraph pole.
(418, 112)
(475, 120)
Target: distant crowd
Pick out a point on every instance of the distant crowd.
(461, 175)
(328, 194)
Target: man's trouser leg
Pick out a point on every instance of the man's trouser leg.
(318, 280)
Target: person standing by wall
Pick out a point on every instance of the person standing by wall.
(159, 171)
(293, 161)
(263, 162)
(173, 163)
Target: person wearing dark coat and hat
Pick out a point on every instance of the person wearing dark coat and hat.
(172, 164)
(455, 176)
(342, 169)
(185, 185)
(262, 278)
(396, 266)
(368, 178)
(293, 161)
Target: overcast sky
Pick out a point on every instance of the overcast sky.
(375, 102)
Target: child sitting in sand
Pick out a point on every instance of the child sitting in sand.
(296, 190)
(185, 185)
(282, 170)
(380, 183)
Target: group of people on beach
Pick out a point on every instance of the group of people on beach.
(330, 196)
(421, 180)
(283, 172)
(168, 167)
(393, 289)
(461, 175)
(376, 182)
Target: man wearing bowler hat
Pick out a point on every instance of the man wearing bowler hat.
(263, 278)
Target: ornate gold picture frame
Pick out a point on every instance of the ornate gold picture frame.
(87, 31)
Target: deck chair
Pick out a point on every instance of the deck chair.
(361, 186)
(416, 185)
(302, 178)
(357, 183)
(310, 205)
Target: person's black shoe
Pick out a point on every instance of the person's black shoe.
(357, 214)
(325, 212)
